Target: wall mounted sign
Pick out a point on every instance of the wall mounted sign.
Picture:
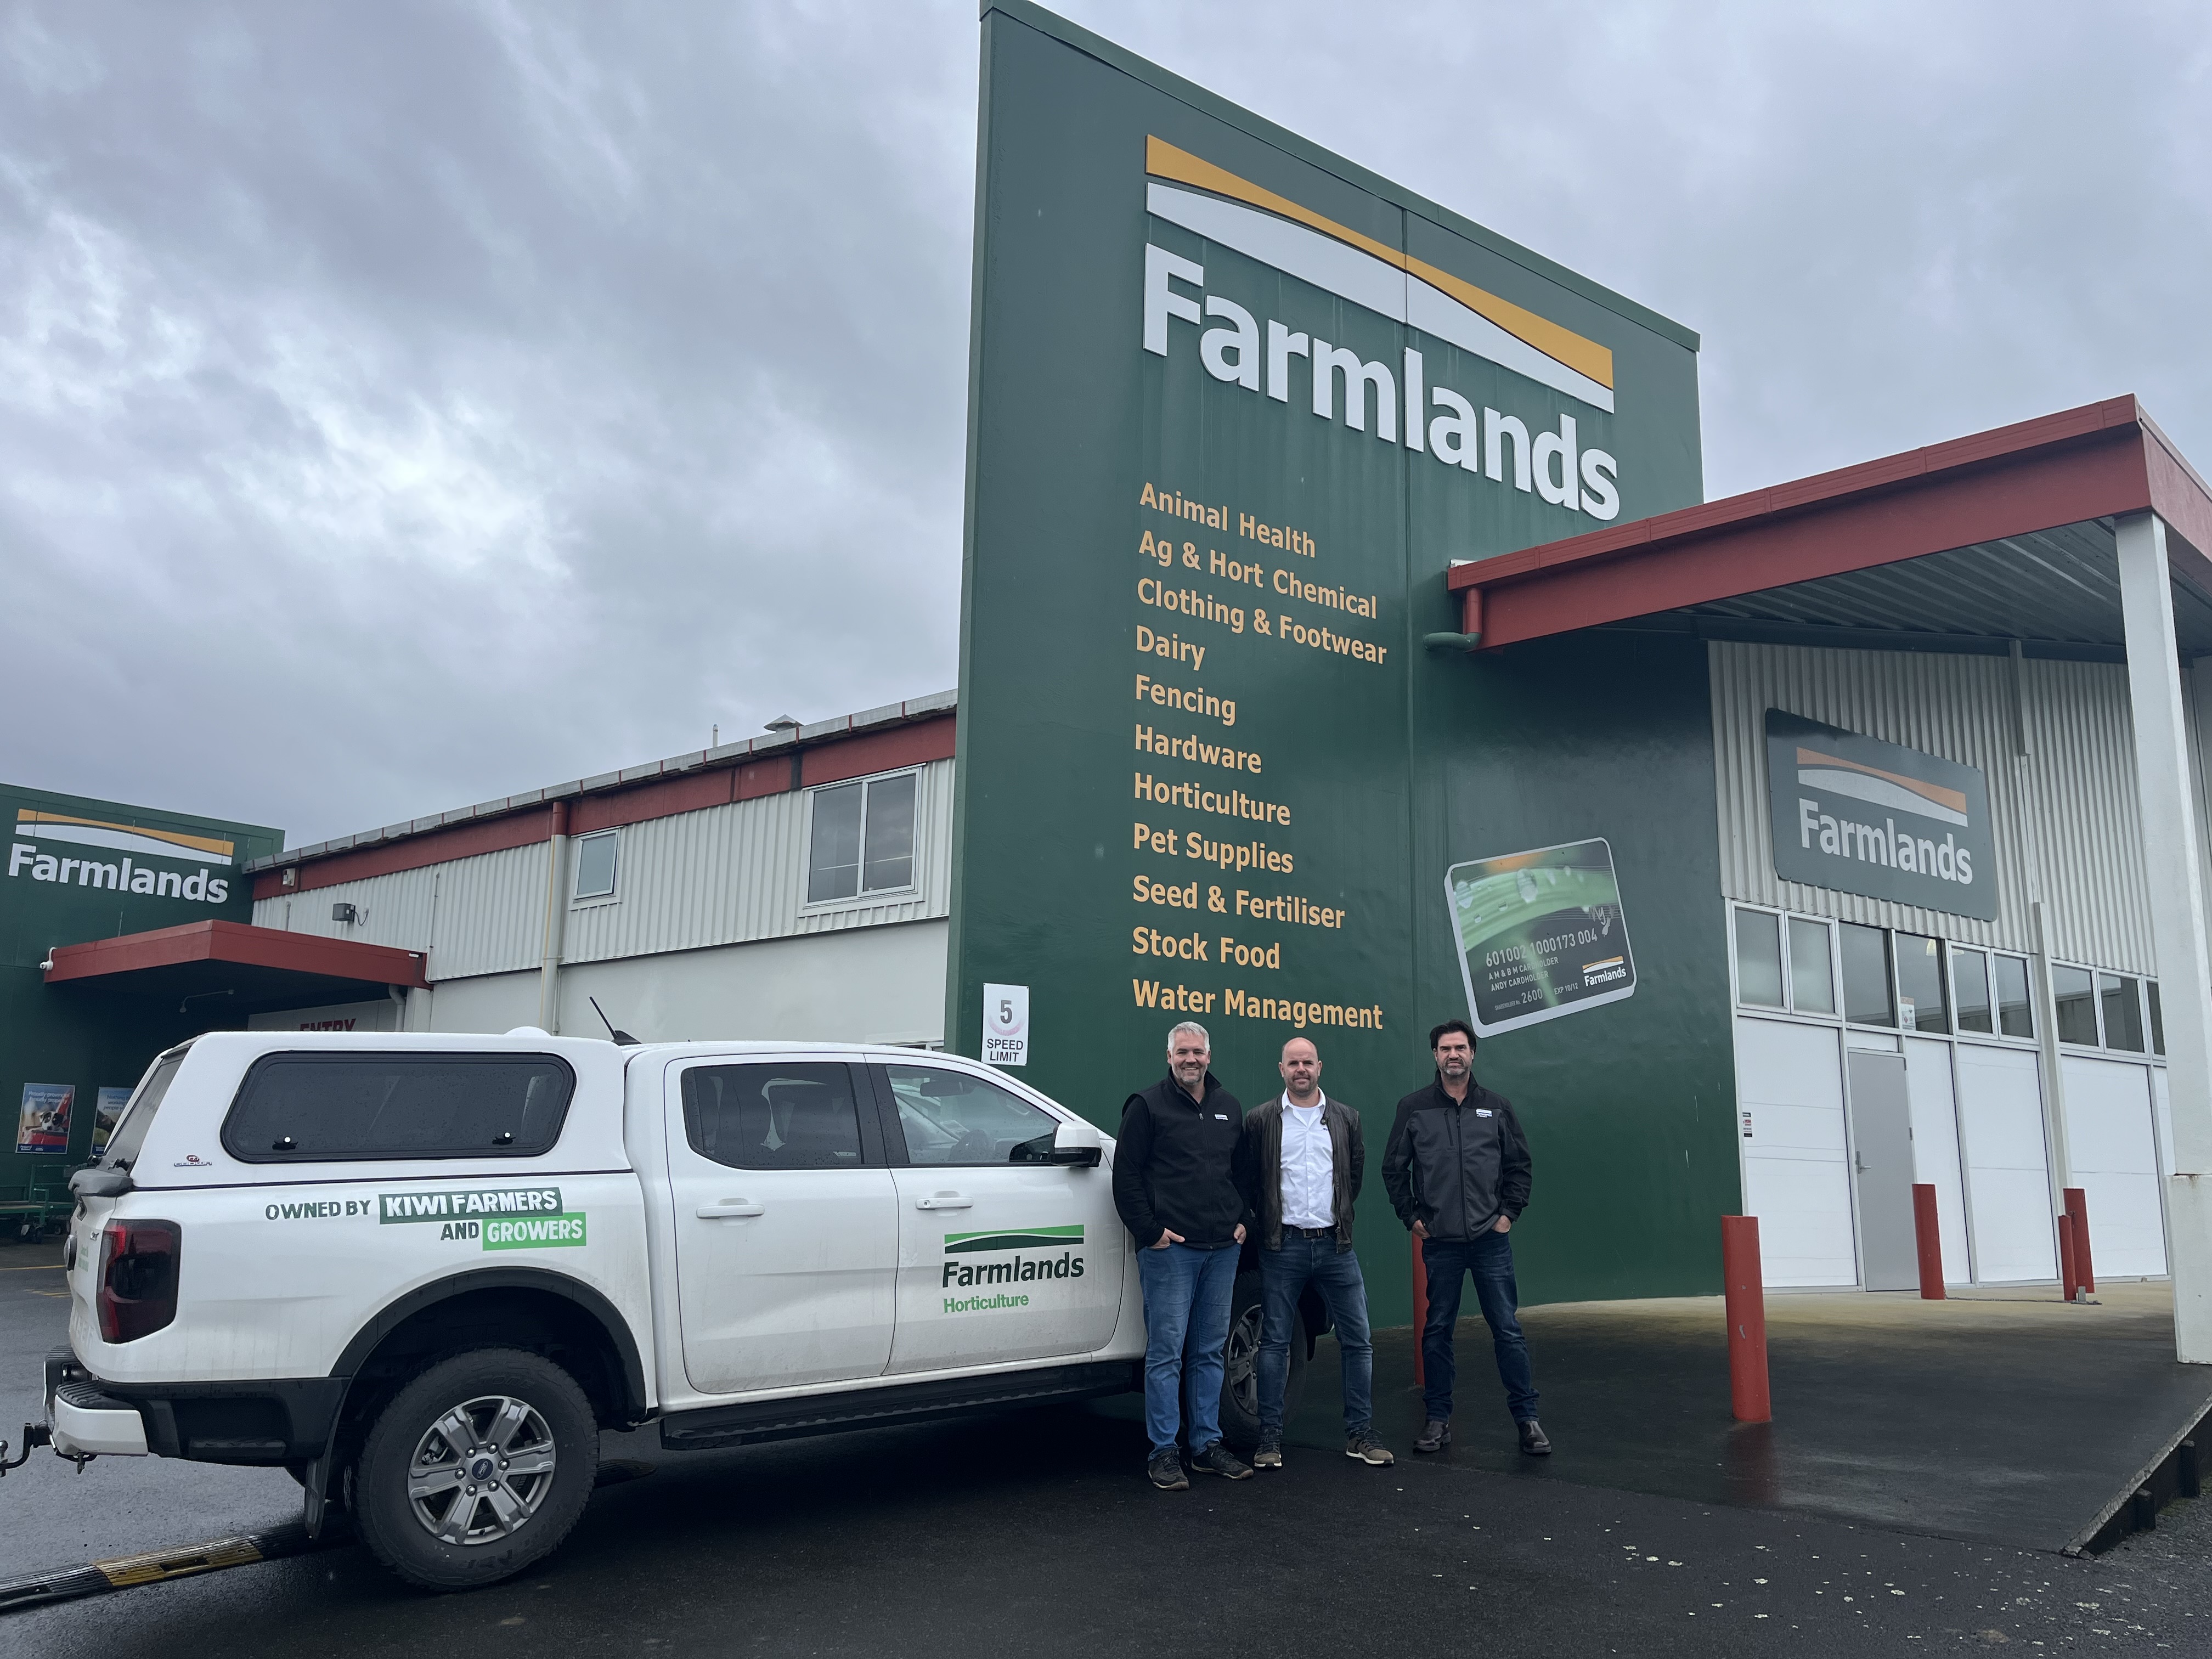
(1860, 816)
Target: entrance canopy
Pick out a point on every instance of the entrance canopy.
(1962, 546)
(248, 968)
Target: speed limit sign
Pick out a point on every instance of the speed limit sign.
(1006, 1024)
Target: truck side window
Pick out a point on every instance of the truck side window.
(315, 1108)
(953, 1117)
(785, 1116)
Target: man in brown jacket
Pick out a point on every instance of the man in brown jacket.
(1299, 1165)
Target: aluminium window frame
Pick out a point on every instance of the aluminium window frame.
(613, 894)
(865, 898)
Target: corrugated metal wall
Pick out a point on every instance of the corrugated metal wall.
(2066, 824)
(491, 913)
(727, 875)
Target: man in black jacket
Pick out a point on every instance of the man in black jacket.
(1300, 1167)
(1176, 1191)
(1457, 1171)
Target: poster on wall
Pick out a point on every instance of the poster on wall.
(42, 1128)
(107, 1112)
(1540, 934)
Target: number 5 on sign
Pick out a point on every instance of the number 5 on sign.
(1006, 1024)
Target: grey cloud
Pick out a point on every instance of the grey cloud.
(404, 405)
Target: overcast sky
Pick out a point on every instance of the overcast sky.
(404, 403)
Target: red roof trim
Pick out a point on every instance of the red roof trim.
(463, 841)
(2098, 461)
(236, 942)
(928, 738)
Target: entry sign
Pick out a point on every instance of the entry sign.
(1540, 934)
(1006, 1024)
(1860, 816)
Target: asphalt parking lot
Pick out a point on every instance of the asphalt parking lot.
(1034, 1532)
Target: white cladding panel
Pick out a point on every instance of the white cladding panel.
(394, 910)
(1797, 1175)
(725, 875)
(473, 915)
(2066, 826)
(491, 913)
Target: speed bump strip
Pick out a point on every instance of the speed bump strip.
(126, 1570)
(157, 1566)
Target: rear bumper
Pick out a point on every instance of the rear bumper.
(84, 1421)
(264, 1421)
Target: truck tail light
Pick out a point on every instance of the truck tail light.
(138, 1278)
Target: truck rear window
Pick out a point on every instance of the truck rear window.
(301, 1109)
(130, 1135)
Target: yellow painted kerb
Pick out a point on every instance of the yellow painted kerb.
(1163, 161)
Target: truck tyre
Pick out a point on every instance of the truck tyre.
(477, 1467)
(1240, 1367)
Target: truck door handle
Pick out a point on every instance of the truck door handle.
(738, 1207)
(946, 1201)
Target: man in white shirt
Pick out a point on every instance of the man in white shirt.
(1299, 1165)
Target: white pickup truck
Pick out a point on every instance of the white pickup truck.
(421, 1273)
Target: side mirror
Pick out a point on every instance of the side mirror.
(1076, 1145)
(101, 1184)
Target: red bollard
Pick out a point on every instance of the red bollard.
(1746, 1319)
(1928, 1234)
(2085, 1269)
(1420, 1312)
(2068, 1279)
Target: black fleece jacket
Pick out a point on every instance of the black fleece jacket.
(1172, 1165)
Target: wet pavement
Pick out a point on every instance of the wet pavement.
(2005, 1416)
(1035, 1532)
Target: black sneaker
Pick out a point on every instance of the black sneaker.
(1435, 1435)
(1270, 1454)
(1218, 1459)
(1533, 1440)
(1367, 1449)
(1165, 1472)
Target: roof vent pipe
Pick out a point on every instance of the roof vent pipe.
(557, 914)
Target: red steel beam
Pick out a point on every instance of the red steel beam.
(2100, 459)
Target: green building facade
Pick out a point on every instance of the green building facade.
(79, 870)
(1236, 407)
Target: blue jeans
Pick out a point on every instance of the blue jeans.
(1187, 1296)
(1489, 1259)
(1283, 1276)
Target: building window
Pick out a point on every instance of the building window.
(862, 839)
(1812, 972)
(596, 856)
(1970, 980)
(2015, 1014)
(2157, 1019)
(2074, 991)
(2123, 1006)
(1920, 984)
(1868, 997)
(1758, 959)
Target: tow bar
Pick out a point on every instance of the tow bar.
(35, 1435)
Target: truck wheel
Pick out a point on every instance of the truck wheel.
(1240, 1367)
(476, 1469)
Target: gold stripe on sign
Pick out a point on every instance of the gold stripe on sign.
(178, 837)
(1163, 161)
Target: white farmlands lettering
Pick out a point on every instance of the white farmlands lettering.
(1549, 464)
